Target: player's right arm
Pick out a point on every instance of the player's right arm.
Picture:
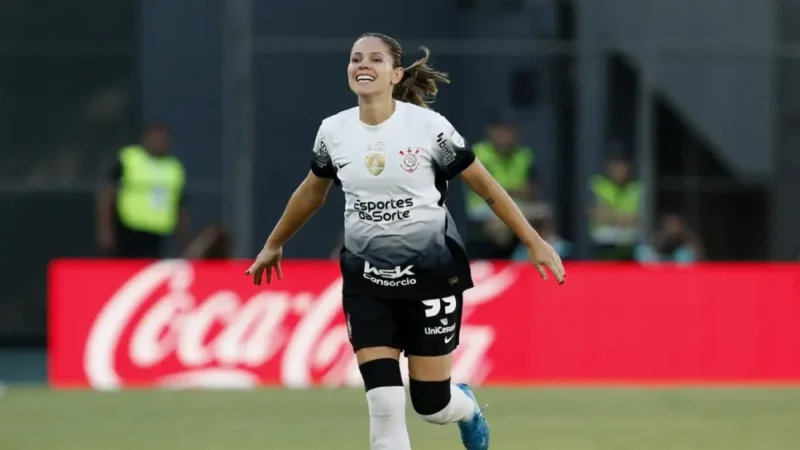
(304, 202)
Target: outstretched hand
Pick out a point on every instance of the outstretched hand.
(543, 255)
(268, 259)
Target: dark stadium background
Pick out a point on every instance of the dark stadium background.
(702, 95)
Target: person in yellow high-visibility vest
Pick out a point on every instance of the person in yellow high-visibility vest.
(143, 201)
(511, 164)
(614, 214)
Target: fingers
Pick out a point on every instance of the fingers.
(554, 269)
(557, 269)
(540, 269)
(256, 270)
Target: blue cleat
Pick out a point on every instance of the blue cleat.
(474, 432)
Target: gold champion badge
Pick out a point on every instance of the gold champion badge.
(375, 163)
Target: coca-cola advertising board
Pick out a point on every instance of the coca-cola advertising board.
(174, 323)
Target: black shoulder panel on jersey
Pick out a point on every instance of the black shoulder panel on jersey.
(321, 164)
(455, 156)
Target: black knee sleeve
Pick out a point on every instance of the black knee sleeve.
(381, 373)
(429, 397)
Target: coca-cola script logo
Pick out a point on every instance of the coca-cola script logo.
(154, 323)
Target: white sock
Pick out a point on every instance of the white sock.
(460, 409)
(387, 419)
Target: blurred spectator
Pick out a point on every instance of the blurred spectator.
(546, 227)
(615, 209)
(673, 242)
(214, 242)
(511, 164)
(143, 200)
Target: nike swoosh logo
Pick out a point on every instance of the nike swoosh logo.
(449, 338)
(340, 166)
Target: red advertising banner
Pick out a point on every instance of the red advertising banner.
(176, 323)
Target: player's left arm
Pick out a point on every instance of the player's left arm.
(541, 253)
(483, 183)
(454, 156)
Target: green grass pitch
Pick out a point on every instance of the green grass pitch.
(520, 419)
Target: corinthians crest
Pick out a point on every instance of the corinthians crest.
(375, 163)
(410, 160)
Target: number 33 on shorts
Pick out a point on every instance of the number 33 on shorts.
(434, 306)
(442, 323)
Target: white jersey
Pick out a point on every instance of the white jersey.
(400, 241)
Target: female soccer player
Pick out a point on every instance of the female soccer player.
(403, 264)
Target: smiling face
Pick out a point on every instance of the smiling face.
(374, 68)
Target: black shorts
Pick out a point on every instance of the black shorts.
(418, 327)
